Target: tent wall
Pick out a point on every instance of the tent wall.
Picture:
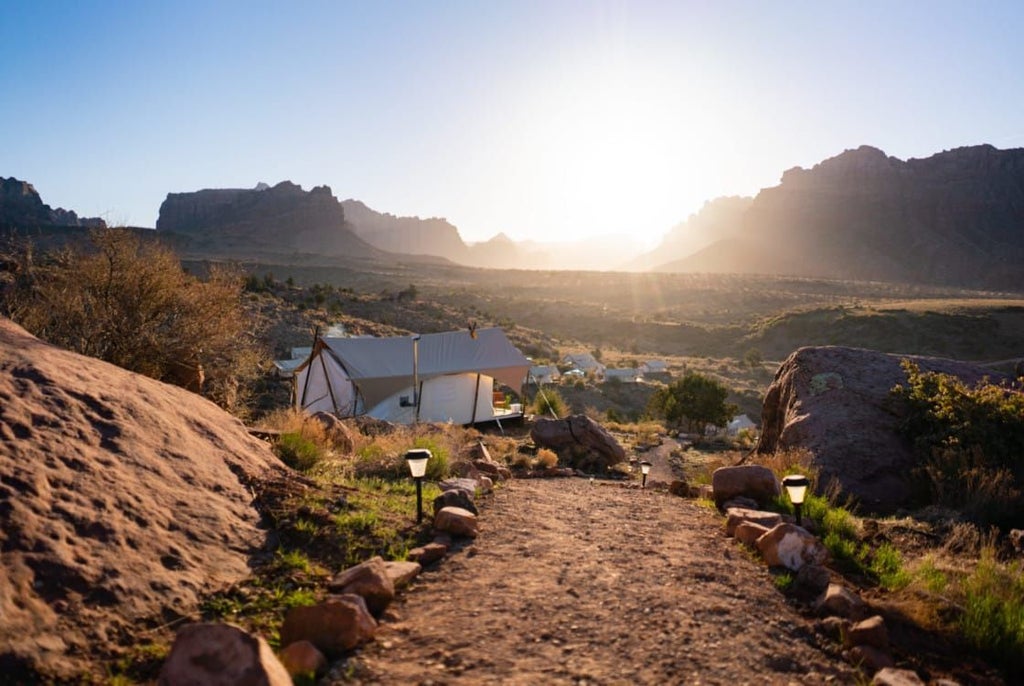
(323, 386)
(442, 399)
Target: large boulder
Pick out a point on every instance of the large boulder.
(123, 500)
(221, 655)
(835, 402)
(582, 442)
(750, 481)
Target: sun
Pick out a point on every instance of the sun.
(613, 156)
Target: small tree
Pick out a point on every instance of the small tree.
(693, 401)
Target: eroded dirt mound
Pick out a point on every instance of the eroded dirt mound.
(122, 500)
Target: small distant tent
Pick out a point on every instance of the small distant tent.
(739, 423)
(456, 372)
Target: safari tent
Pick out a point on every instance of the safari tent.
(455, 373)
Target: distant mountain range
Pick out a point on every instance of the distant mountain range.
(21, 206)
(955, 218)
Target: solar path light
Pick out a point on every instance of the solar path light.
(417, 461)
(796, 487)
(645, 469)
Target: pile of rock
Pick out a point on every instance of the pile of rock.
(741, 493)
(358, 599)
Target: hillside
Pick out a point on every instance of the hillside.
(955, 218)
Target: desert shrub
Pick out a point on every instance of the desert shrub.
(129, 302)
(549, 402)
(297, 451)
(969, 441)
(522, 461)
(546, 459)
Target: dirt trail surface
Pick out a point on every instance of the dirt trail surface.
(580, 582)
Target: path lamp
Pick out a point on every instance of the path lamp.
(417, 461)
(645, 469)
(796, 486)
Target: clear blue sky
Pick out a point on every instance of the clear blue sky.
(545, 120)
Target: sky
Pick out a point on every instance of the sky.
(552, 120)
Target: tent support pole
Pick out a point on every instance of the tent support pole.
(476, 397)
(305, 384)
(419, 398)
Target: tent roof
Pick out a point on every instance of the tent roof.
(384, 361)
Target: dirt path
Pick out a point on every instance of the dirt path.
(574, 582)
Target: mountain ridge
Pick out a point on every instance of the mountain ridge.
(954, 218)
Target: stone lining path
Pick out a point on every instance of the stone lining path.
(579, 582)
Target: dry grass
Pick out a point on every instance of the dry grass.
(546, 459)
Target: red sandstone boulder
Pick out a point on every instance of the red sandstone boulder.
(835, 402)
(583, 443)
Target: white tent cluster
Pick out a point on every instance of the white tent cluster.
(433, 378)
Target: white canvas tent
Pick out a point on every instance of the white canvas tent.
(374, 376)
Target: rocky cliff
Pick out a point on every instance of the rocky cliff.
(279, 219)
(21, 206)
(955, 218)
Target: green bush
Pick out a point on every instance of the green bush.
(694, 402)
(549, 402)
(297, 452)
(437, 465)
(993, 616)
(969, 441)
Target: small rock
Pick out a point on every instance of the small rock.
(303, 658)
(838, 600)
(402, 573)
(454, 498)
(890, 676)
(368, 579)
(871, 632)
(747, 533)
(486, 485)
(456, 521)
(741, 502)
(811, 581)
(792, 547)
(216, 654)
(336, 625)
(429, 553)
(869, 658)
(737, 515)
(467, 485)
